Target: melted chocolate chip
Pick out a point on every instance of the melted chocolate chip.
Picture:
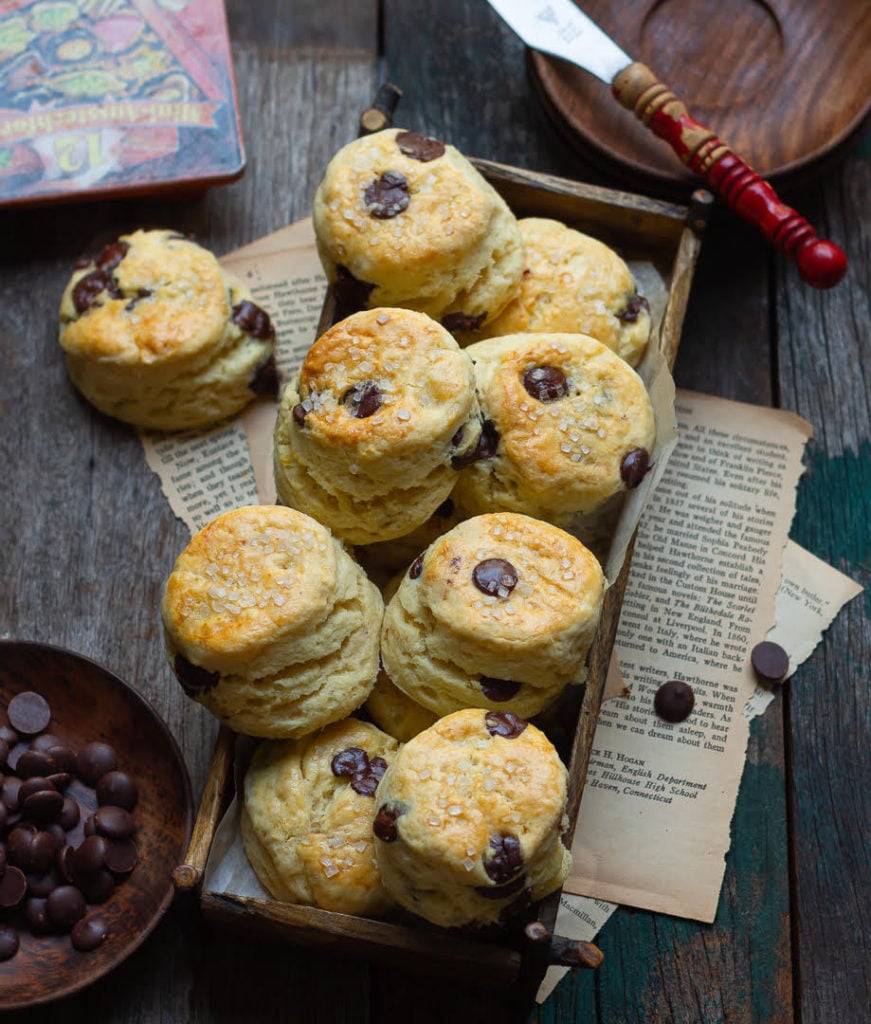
(387, 196)
(545, 383)
(498, 690)
(486, 447)
(28, 713)
(460, 321)
(634, 467)
(770, 662)
(350, 294)
(253, 320)
(633, 309)
(298, 414)
(384, 825)
(194, 679)
(112, 255)
(265, 381)
(674, 701)
(494, 575)
(367, 784)
(89, 287)
(504, 723)
(416, 568)
(365, 774)
(141, 293)
(499, 892)
(420, 147)
(363, 399)
(506, 860)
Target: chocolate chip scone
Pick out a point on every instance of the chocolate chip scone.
(575, 284)
(157, 334)
(405, 220)
(307, 817)
(270, 624)
(470, 819)
(499, 613)
(570, 429)
(369, 430)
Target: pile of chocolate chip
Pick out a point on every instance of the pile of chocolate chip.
(66, 830)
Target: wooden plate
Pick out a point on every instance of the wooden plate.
(90, 703)
(786, 83)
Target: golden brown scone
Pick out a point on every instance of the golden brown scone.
(498, 613)
(470, 818)
(158, 335)
(575, 284)
(568, 424)
(395, 712)
(368, 431)
(405, 220)
(270, 624)
(307, 817)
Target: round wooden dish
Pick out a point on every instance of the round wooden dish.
(787, 84)
(90, 703)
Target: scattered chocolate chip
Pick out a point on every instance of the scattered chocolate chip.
(13, 886)
(634, 466)
(545, 383)
(416, 568)
(114, 822)
(446, 509)
(194, 679)
(122, 856)
(498, 690)
(36, 915)
(117, 788)
(770, 662)
(112, 255)
(141, 293)
(8, 942)
(41, 853)
(298, 413)
(387, 196)
(98, 887)
(42, 885)
(363, 399)
(351, 761)
(499, 892)
(90, 856)
(64, 906)
(384, 825)
(32, 785)
(60, 780)
(253, 320)
(63, 756)
(32, 763)
(18, 845)
(88, 933)
(28, 713)
(350, 294)
(70, 814)
(506, 860)
(674, 701)
(43, 806)
(486, 447)
(460, 321)
(504, 723)
(94, 760)
(420, 147)
(495, 576)
(633, 309)
(265, 380)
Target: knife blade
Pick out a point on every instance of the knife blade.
(560, 28)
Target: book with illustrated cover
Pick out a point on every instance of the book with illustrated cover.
(101, 98)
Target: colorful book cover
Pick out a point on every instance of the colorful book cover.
(110, 97)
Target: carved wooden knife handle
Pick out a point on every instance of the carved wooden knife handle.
(820, 263)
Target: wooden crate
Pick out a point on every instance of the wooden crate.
(669, 236)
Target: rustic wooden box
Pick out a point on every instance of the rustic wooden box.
(669, 236)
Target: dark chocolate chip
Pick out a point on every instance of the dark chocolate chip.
(9, 735)
(41, 853)
(88, 288)
(9, 792)
(28, 713)
(13, 887)
(494, 575)
(34, 762)
(114, 822)
(117, 788)
(460, 321)
(98, 887)
(64, 906)
(350, 294)
(384, 825)
(70, 814)
(416, 568)
(265, 381)
(633, 309)
(387, 196)
(63, 756)
(33, 785)
(298, 413)
(498, 690)
(253, 320)
(89, 933)
(44, 806)
(506, 860)
(486, 447)
(674, 701)
(420, 147)
(194, 679)
(112, 255)
(44, 741)
(36, 915)
(89, 828)
(352, 761)
(504, 723)
(499, 892)
(141, 293)
(42, 885)
(634, 466)
(363, 399)
(60, 780)
(545, 383)
(94, 760)
(770, 662)
(4, 751)
(65, 862)
(8, 942)
(90, 856)
(366, 784)
(122, 856)
(18, 844)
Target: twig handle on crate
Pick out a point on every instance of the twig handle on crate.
(380, 114)
(821, 264)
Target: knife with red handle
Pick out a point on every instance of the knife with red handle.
(560, 28)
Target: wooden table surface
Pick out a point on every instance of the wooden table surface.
(87, 540)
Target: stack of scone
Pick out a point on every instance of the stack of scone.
(472, 412)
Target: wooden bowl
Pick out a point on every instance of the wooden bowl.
(88, 703)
